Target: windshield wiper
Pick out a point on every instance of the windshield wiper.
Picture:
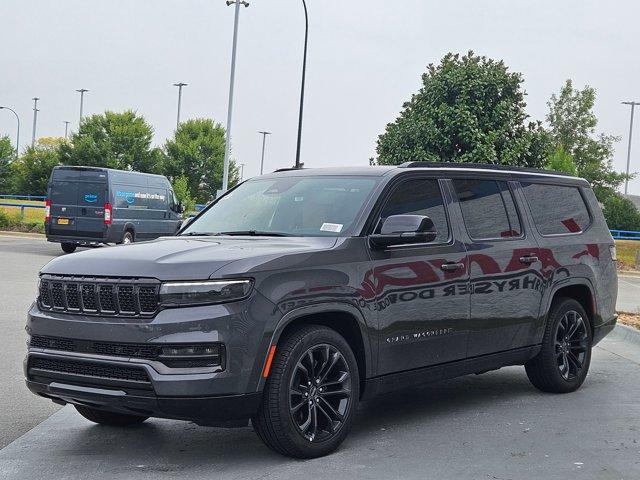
(256, 233)
(199, 234)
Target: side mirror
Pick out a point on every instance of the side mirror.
(180, 208)
(404, 230)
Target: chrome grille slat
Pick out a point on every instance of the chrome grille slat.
(99, 296)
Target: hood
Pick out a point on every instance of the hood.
(182, 258)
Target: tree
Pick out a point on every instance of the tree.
(469, 109)
(6, 154)
(181, 189)
(621, 213)
(197, 153)
(561, 161)
(573, 129)
(114, 140)
(32, 170)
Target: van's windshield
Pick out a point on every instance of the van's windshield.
(287, 206)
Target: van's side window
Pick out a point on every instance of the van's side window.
(419, 197)
(556, 209)
(488, 209)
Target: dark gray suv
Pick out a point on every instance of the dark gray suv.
(298, 294)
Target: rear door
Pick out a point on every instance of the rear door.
(505, 271)
(91, 198)
(63, 194)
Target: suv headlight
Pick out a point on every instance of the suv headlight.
(174, 294)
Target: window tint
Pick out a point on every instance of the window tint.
(419, 197)
(488, 209)
(556, 209)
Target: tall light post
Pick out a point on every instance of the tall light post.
(264, 140)
(179, 85)
(35, 121)
(66, 129)
(633, 107)
(81, 91)
(304, 76)
(241, 171)
(227, 147)
(18, 130)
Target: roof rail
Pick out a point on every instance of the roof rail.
(479, 166)
(288, 169)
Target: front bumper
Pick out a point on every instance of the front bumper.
(148, 387)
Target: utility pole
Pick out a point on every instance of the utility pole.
(304, 75)
(227, 147)
(18, 131)
(179, 85)
(35, 121)
(633, 106)
(264, 140)
(66, 129)
(241, 171)
(81, 91)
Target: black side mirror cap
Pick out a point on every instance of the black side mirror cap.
(404, 230)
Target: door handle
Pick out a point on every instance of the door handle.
(450, 266)
(529, 259)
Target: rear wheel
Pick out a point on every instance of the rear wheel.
(127, 237)
(109, 418)
(68, 247)
(311, 394)
(563, 362)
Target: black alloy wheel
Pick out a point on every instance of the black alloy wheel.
(320, 393)
(571, 344)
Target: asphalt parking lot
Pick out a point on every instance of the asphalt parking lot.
(491, 426)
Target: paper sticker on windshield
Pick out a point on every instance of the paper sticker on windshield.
(331, 227)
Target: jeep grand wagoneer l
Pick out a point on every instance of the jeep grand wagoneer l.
(299, 293)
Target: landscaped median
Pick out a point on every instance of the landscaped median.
(19, 219)
(629, 319)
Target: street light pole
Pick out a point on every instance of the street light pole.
(66, 129)
(241, 171)
(264, 140)
(35, 120)
(227, 147)
(304, 75)
(81, 91)
(179, 85)
(18, 131)
(633, 106)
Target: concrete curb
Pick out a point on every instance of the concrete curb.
(628, 273)
(5, 233)
(623, 333)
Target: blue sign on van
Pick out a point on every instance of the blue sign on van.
(91, 198)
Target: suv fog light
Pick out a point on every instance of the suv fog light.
(193, 356)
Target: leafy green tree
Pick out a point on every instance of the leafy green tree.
(181, 189)
(469, 109)
(573, 129)
(114, 140)
(621, 213)
(197, 153)
(32, 170)
(6, 153)
(561, 161)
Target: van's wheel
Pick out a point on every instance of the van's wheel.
(127, 237)
(563, 363)
(68, 247)
(109, 418)
(311, 394)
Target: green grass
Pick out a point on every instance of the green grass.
(31, 215)
(626, 250)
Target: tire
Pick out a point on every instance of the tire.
(68, 247)
(281, 418)
(563, 363)
(109, 418)
(127, 238)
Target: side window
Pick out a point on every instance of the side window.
(488, 209)
(419, 197)
(556, 209)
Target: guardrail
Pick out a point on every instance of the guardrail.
(21, 206)
(625, 234)
(24, 197)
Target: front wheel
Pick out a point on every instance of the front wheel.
(103, 417)
(68, 247)
(563, 362)
(311, 394)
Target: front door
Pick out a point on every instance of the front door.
(504, 265)
(420, 291)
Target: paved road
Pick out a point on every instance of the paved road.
(629, 294)
(493, 426)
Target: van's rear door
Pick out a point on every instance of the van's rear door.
(63, 194)
(91, 198)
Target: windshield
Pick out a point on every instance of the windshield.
(296, 206)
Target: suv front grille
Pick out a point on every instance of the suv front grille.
(99, 296)
(89, 369)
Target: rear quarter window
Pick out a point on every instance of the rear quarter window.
(557, 209)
